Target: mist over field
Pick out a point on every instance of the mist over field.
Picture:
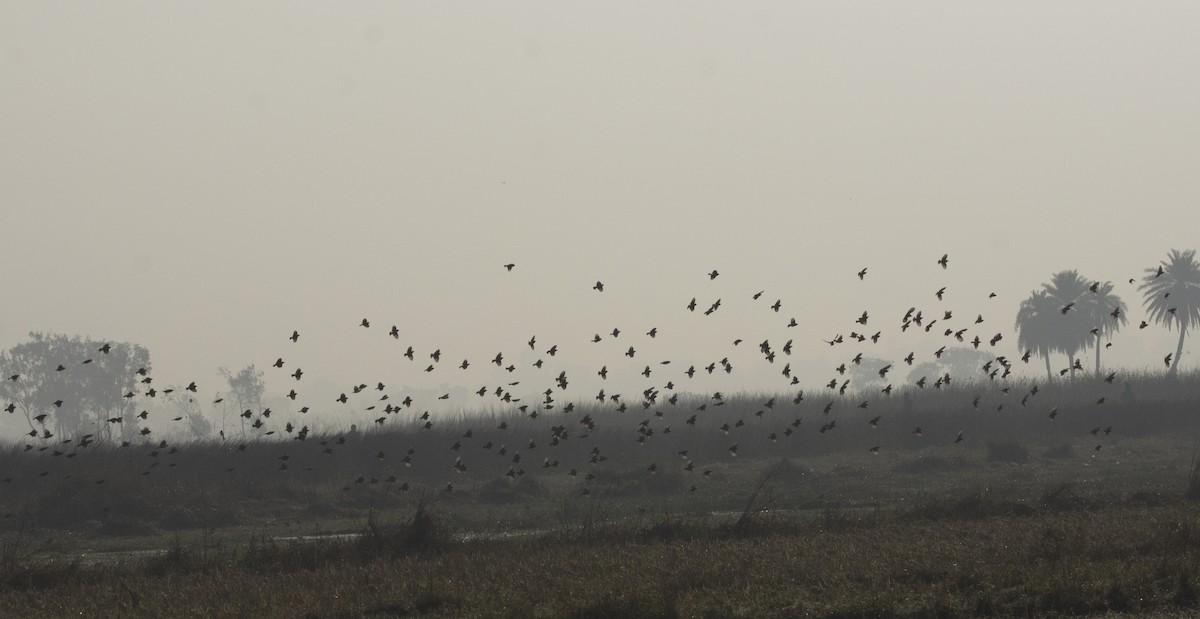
(620, 274)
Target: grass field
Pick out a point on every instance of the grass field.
(1022, 517)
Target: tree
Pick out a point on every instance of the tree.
(246, 387)
(197, 424)
(95, 378)
(1171, 294)
(866, 373)
(960, 362)
(1036, 325)
(1072, 333)
(1105, 312)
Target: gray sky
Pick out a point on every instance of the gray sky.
(202, 178)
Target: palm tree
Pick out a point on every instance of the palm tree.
(1171, 294)
(1072, 332)
(1105, 312)
(1036, 326)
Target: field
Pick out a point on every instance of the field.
(1064, 505)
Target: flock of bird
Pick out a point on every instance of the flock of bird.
(664, 392)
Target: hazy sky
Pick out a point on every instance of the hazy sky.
(203, 178)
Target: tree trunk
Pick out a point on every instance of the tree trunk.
(1049, 374)
(1071, 360)
(1098, 354)
(1174, 371)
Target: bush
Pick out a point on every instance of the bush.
(1008, 451)
(1059, 452)
(504, 490)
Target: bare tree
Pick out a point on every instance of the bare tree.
(246, 387)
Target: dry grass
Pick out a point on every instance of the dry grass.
(1118, 558)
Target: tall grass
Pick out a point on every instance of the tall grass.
(151, 487)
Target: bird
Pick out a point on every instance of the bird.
(1167, 359)
(509, 266)
(944, 260)
(713, 275)
(364, 323)
(295, 336)
(862, 274)
(599, 287)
